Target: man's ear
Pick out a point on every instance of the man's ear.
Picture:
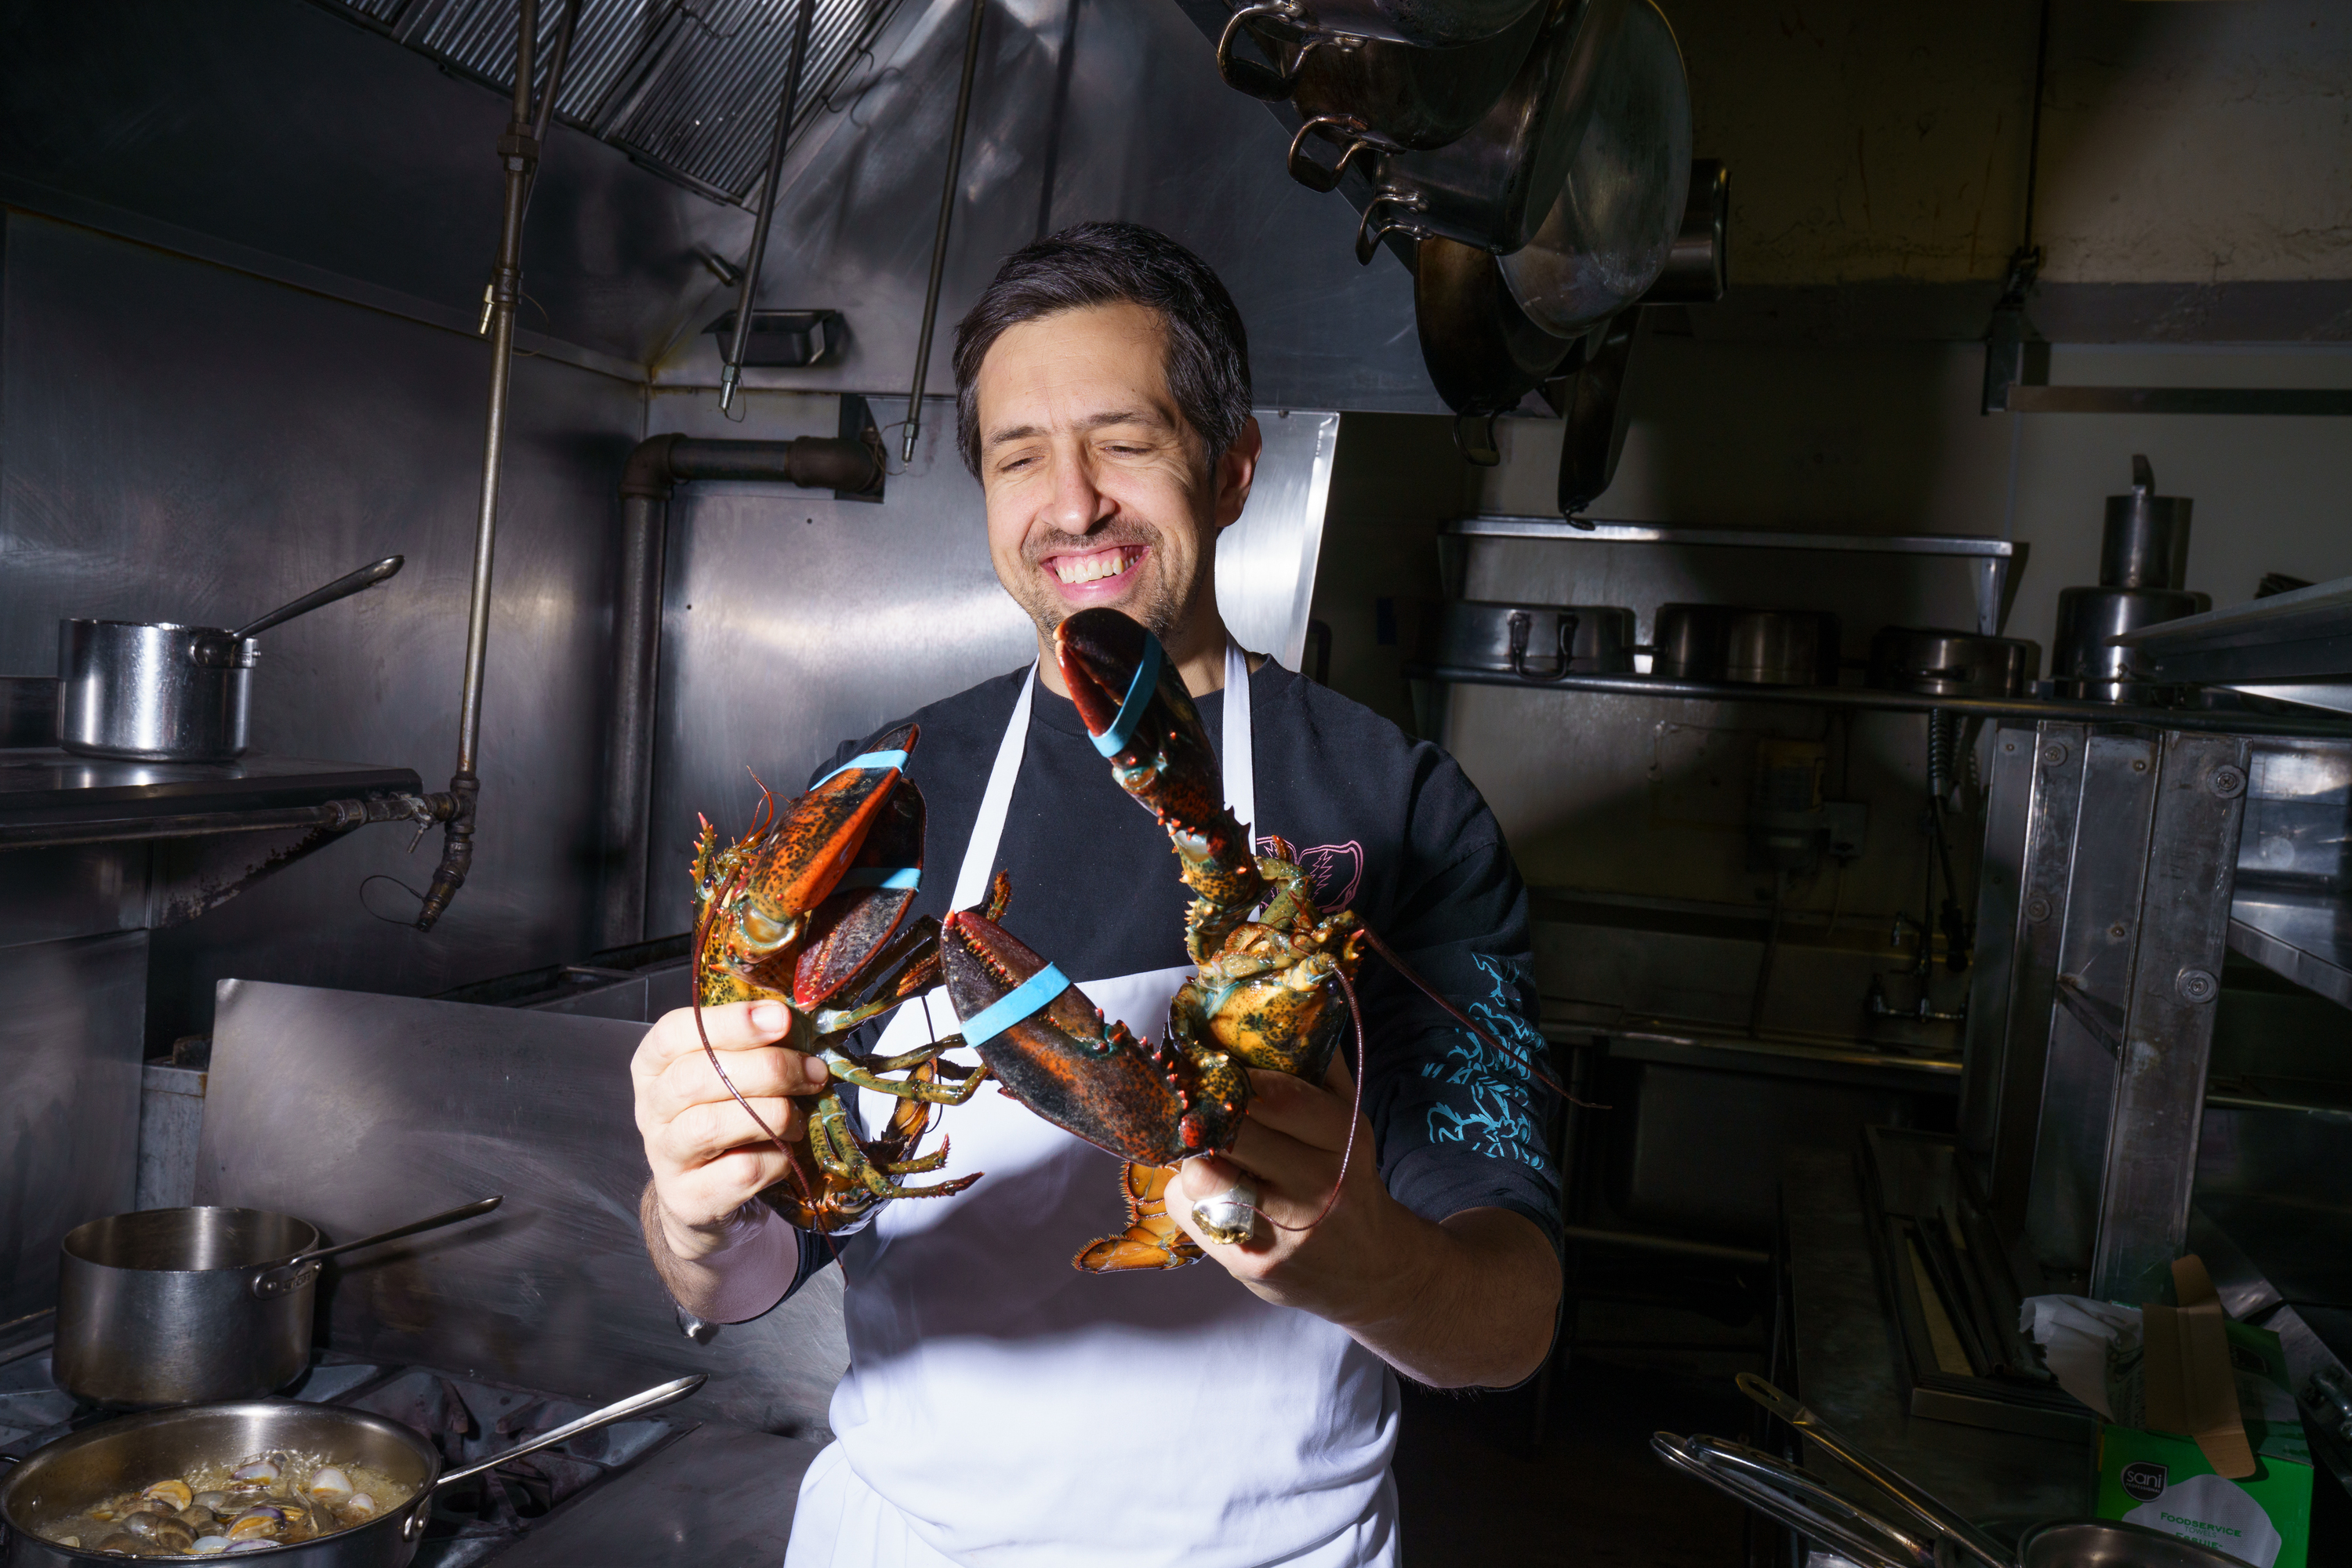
(1236, 471)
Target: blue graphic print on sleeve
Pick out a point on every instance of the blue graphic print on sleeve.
(1496, 1117)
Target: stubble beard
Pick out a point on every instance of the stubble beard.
(1158, 607)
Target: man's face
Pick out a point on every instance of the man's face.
(1099, 490)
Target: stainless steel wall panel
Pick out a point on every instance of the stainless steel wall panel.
(2176, 984)
(358, 1112)
(793, 622)
(1265, 562)
(182, 442)
(69, 1050)
(2099, 917)
(1082, 108)
(2000, 912)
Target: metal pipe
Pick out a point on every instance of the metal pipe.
(746, 293)
(519, 151)
(940, 238)
(2204, 722)
(653, 471)
(337, 815)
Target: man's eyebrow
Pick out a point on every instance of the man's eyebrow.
(1091, 422)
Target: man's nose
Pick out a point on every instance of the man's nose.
(1077, 504)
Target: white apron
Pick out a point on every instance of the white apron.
(1004, 1410)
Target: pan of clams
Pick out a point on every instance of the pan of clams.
(316, 1485)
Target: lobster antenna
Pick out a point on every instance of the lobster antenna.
(1459, 1017)
(791, 1161)
(1355, 1120)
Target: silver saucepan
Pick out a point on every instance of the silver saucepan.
(129, 1454)
(160, 692)
(189, 1305)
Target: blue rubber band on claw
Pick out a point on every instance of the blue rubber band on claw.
(890, 878)
(863, 760)
(1113, 741)
(1016, 1005)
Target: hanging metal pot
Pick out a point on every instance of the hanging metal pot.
(1365, 97)
(1492, 186)
(1426, 24)
(1483, 353)
(1609, 233)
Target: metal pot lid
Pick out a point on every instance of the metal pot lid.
(1609, 232)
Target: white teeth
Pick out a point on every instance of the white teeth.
(1075, 570)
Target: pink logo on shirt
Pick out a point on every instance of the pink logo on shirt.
(1333, 870)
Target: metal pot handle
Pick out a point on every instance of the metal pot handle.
(1913, 1499)
(1318, 177)
(652, 1398)
(1521, 624)
(1371, 228)
(1795, 1500)
(1248, 75)
(302, 1268)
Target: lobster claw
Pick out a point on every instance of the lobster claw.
(1134, 704)
(1052, 1050)
(822, 886)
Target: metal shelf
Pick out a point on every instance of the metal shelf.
(1997, 562)
(2306, 937)
(1870, 698)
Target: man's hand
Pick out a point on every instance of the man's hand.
(708, 1160)
(1468, 1302)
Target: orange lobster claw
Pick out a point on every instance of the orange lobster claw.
(1148, 1104)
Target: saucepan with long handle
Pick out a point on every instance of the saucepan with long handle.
(162, 692)
(132, 1452)
(193, 1305)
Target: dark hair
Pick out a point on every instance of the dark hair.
(1102, 263)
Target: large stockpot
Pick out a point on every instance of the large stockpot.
(1745, 647)
(1932, 662)
(99, 1462)
(157, 691)
(191, 1305)
(1535, 642)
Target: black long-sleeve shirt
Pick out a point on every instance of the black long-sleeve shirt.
(1384, 824)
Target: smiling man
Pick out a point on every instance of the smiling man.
(1001, 1407)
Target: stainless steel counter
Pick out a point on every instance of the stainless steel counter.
(1846, 1361)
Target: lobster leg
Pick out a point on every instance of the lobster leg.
(846, 1070)
(1152, 1239)
(838, 1152)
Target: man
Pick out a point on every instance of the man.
(1001, 1407)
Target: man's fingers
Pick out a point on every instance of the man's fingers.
(702, 1133)
(735, 1026)
(760, 1070)
(1315, 1116)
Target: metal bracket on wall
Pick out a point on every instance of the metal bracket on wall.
(2017, 371)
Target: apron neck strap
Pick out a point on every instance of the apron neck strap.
(996, 800)
(1239, 768)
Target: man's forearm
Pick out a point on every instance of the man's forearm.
(748, 1271)
(1473, 1303)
